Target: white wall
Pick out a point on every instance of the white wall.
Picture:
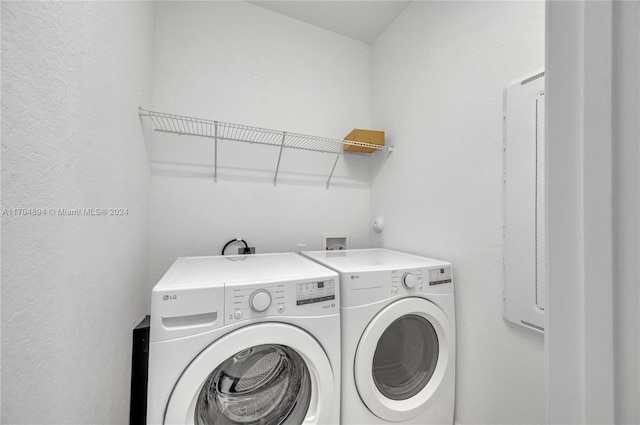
(438, 76)
(626, 209)
(593, 347)
(73, 287)
(235, 62)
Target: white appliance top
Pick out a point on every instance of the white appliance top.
(197, 272)
(360, 260)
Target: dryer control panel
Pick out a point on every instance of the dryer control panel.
(407, 279)
(372, 286)
(315, 297)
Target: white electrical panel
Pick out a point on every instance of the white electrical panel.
(524, 231)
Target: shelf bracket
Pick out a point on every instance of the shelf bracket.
(215, 151)
(333, 169)
(275, 178)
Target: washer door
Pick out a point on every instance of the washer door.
(270, 373)
(402, 358)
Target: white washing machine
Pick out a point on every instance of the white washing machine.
(245, 340)
(398, 336)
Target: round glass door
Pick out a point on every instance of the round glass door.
(405, 357)
(266, 384)
(266, 373)
(402, 358)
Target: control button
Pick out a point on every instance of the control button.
(260, 300)
(409, 280)
(395, 290)
(420, 287)
(280, 308)
(238, 314)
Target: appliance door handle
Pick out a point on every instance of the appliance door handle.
(192, 320)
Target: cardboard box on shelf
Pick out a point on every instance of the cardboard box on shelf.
(373, 137)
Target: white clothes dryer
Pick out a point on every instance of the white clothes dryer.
(245, 340)
(398, 336)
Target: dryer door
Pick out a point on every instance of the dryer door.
(269, 373)
(402, 358)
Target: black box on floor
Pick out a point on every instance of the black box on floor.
(139, 373)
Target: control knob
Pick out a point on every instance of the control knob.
(409, 280)
(260, 300)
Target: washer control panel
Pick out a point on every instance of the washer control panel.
(305, 298)
(439, 276)
(315, 292)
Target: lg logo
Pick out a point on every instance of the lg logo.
(169, 297)
(355, 276)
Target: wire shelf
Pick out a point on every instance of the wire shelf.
(219, 130)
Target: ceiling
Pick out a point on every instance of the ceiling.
(360, 20)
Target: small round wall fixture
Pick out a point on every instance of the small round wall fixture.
(378, 224)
